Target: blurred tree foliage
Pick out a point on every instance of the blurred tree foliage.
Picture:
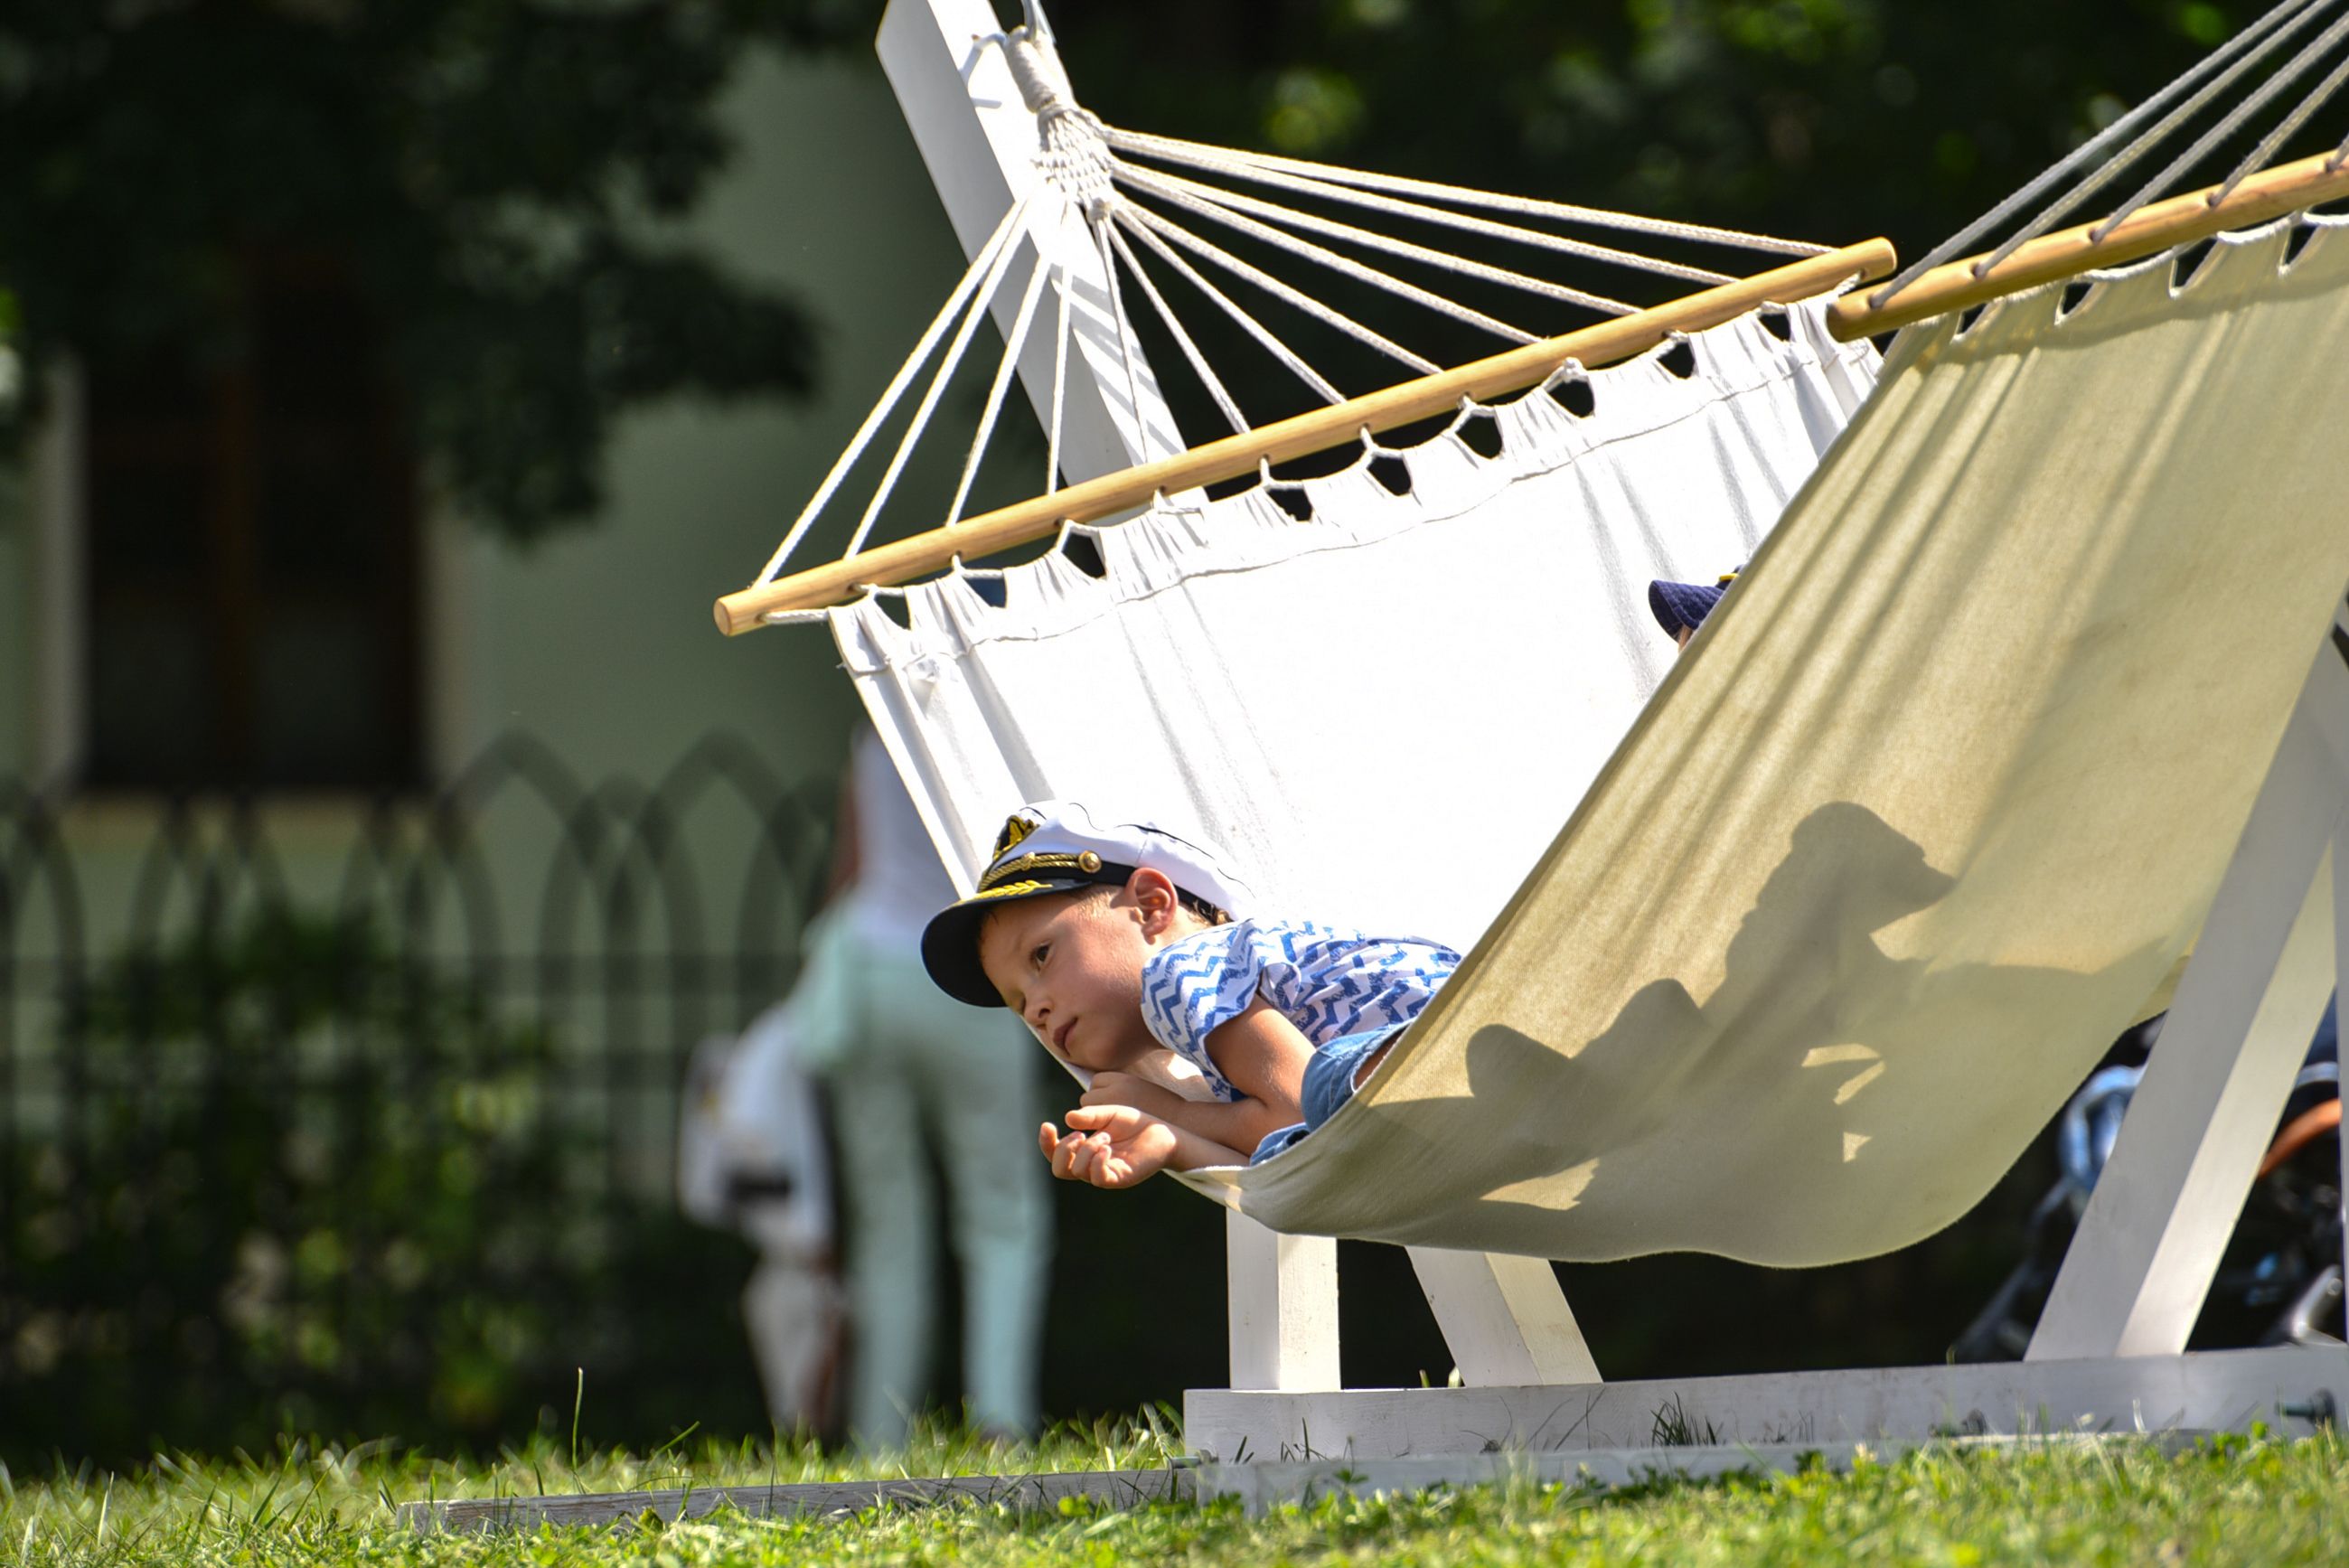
(492, 173)
(1820, 120)
(303, 1183)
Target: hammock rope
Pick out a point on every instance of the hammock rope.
(2127, 156)
(1463, 266)
(998, 265)
(1060, 390)
(1264, 335)
(1011, 224)
(1260, 165)
(2232, 121)
(1127, 357)
(1174, 324)
(1013, 344)
(2258, 157)
(2111, 151)
(1345, 266)
(1329, 190)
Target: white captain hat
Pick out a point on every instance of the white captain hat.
(1058, 846)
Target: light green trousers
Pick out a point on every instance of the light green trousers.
(910, 1070)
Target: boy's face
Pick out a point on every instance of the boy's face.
(1071, 966)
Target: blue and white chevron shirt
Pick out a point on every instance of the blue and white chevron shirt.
(1330, 982)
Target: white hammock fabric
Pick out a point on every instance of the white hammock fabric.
(1928, 815)
(1219, 671)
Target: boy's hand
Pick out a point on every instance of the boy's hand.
(1108, 1145)
(1124, 1089)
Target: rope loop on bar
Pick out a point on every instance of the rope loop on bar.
(2260, 155)
(2210, 139)
(1567, 370)
(2102, 158)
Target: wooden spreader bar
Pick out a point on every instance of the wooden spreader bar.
(1317, 430)
(2153, 227)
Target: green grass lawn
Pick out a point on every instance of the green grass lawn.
(2252, 1501)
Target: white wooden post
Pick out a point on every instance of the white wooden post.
(2134, 1277)
(1283, 1308)
(979, 139)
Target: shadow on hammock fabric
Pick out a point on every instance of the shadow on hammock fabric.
(1765, 1086)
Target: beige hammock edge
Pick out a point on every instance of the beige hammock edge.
(2156, 227)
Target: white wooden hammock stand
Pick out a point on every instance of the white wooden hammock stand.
(2109, 1352)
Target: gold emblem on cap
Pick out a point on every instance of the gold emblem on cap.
(1015, 827)
(1088, 861)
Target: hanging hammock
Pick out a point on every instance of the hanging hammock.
(1929, 812)
(1064, 273)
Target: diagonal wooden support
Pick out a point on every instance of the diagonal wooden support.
(1504, 1318)
(2149, 1243)
(978, 139)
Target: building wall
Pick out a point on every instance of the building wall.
(599, 640)
(602, 643)
(598, 643)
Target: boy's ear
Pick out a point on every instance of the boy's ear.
(1152, 895)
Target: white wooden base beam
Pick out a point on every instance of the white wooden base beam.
(1257, 1487)
(2222, 1391)
(1277, 1483)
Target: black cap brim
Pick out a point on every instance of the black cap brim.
(950, 941)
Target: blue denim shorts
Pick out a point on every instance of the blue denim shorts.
(1328, 1084)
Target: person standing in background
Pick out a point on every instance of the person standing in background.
(753, 1157)
(911, 1069)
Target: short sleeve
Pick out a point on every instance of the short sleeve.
(1196, 985)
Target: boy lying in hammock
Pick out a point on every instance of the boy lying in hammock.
(1114, 943)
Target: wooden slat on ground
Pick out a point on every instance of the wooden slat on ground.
(1258, 1486)
(1114, 1489)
